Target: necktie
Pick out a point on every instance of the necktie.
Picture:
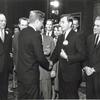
(96, 39)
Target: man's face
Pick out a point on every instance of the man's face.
(23, 24)
(65, 25)
(2, 21)
(39, 24)
(16, 30)
(96, 27)
(49, 25)
(75, 24)
(55, 31)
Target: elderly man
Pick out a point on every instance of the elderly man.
(70, 52)
(5, 60)
(30, 56)
(92, 67)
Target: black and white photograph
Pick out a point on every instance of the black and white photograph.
(49, 49)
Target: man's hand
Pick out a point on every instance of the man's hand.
(63, 54)
(89, 71)
(53, 74)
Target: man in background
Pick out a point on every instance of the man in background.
(23, 23)
(49, 27)
(76, 24)
(92, 66)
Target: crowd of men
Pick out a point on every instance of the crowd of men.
(49, 59)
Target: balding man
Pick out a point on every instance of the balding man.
(5, 49)
(30, 56)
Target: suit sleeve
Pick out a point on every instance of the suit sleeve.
(38, 49)
(52, 45)
(55, 55)
(80, 53)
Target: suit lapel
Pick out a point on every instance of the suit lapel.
(70, 35)
(5, 37)
(61, 40)
(98, 45)
(1, 41)
(93, 40)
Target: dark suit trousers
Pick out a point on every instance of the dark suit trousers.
(4, 85)
(28, 91)
(93, 86)
(68, 89)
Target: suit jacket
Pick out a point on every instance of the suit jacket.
(71, 69)
(5, 50)
(93, 53)
(30, 56)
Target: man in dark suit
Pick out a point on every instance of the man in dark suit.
(5, 60)
(70, 52)
(23, 23)
(92, 67)
(30, 56)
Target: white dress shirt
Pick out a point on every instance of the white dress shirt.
(2, 34)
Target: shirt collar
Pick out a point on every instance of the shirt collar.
(32, 26)
(67, 32)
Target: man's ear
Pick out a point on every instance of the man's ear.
(37, 21)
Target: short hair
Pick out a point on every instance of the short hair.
(75, 18)
(97, 18)
(1, 14)
(36, 14)
(68, 16)
(23, 18)
(49, 20)
(16, 26)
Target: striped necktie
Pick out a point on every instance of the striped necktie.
(96, 39)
